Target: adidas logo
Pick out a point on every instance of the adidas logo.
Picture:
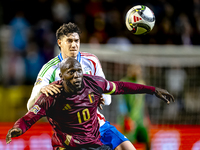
(135, 18)
(66, 107)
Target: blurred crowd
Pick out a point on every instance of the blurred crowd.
(27, 29)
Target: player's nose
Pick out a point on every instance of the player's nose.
(73, 44)
(76, 74)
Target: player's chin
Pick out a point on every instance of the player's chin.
(78, 88)
(73, 53)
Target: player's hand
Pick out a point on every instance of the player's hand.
(164, 95)
(101, 102)
(14, 132)
(51, 89)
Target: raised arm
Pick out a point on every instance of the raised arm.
(118, 87)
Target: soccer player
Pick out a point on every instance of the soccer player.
(74, 110)
(68, 40)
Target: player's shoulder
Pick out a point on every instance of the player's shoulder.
(94, 78)
(44, 100)
(87, 55)
(50, 66)
(97, 83)
(91, 59)
(54, 61)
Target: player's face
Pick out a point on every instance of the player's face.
(69, 45)
(72, 77)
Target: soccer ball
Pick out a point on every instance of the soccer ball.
(140, 20)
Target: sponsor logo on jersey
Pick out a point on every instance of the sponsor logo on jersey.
(38, 81)
(67, 107)
(35, 109)
(91, 97)
(68, 139)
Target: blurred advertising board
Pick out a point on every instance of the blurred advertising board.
(163, 137)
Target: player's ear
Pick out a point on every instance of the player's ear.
(59, 42)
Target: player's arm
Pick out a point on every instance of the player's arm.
(99, 72)
(41, 81)
(30, 118)
(118, 87)
(36, 91)
(42, 86)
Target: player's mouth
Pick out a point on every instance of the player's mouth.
(73, 50)
(77, 83)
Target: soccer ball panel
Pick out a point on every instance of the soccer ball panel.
(140, 20)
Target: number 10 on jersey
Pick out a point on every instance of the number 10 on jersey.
(85, 115)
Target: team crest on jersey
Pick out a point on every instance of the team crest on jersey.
(35, 109)
(87, 70)
(91, 97)
(39, 80)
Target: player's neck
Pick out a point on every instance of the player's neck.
(65, 56)
(70, 90)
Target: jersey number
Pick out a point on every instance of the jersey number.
(86, 115)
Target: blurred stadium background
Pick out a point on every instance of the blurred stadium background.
(169, 56)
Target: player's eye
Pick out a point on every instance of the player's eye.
(71, 72)
(69, 41)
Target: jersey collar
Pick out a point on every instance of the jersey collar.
(78, 57)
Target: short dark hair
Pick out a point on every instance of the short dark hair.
(67, 28)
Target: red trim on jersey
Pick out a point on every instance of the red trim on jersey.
(90, 55)
(95, 68)
(100, 117)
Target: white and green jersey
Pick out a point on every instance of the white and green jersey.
(50, 73)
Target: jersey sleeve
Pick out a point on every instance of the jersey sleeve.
(34, 114)
(119, 87)
(42, 80)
